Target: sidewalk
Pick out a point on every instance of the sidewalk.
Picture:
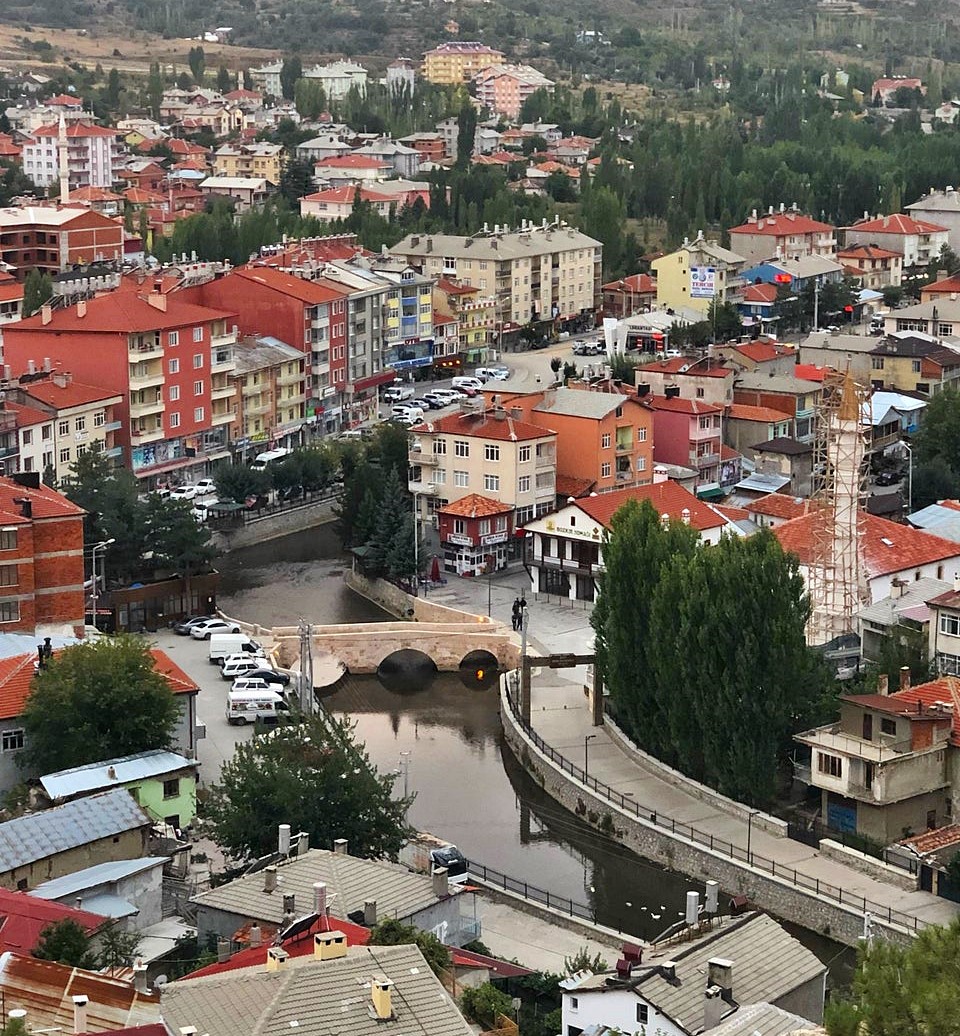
(561, 717)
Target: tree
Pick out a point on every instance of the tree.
(899, 988)
(118, 949)
(65, 942)
(114, 88)
(364, 479)
(37, 290)
(485, 1003)
(236, 482)
(197, 61)
(224, 80)
(939, 434)
(555, 364)
(394, 933)
(466, 133)
(314, 776)
(309, 98)
(290, 72)
(296, 179)
(178, 542)
(97, 700)
(933, 480)
(155, 90)
(388, 544)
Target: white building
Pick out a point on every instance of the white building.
(91, 153)
(337, 78)
(942, 208)
(267, 78)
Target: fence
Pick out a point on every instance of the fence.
(246, 516)
(563, 904)
(718, 845)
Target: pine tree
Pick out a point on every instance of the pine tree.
(37, 290)
(394, 506)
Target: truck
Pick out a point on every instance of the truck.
(426, 854)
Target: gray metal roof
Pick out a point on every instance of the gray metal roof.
(39, 835)
(112, 773)
(762, 1020)
(915, 595)
(317, 998)
(754, 380)
(91, 877)
(580, 403)
(257, 352)
(350, 881)
(768, 963)
(511, 245)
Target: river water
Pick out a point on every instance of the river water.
(445, 742)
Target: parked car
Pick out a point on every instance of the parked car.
(186, 625)
(435, 400)
(238, 656)
(402, 412)
(450, 395)
(244, 666)
(205, 487)
(499, 372)
(203, 630)
(888, 478)
(271, 676)
(201, 508)
(248, 683)
(470, 385)
(187, 492)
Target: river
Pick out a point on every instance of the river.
(445, 742)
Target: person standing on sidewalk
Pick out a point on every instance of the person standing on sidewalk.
(517, 614)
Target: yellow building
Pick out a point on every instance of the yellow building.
(476, 316)
(698, 272)
(249, 160)
(270, 393)
(458, 61)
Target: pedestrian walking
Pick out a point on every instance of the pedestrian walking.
(517, 614)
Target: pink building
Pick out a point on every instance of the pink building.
(503, 88)
(687, 432)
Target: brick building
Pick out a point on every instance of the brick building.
(41, 559)
(54, 239)
(169, 360)
(475, 534)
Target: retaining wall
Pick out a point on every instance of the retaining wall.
(421, 609)
(772, 825)
(869, 865)
(802, 906)
(272, 526)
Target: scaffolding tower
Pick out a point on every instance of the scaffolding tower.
(836, 581)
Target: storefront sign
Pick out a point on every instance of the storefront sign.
(492, 538)
(580, 534)
(459, 539)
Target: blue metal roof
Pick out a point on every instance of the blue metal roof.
(92, 877)
(39, 835)
(113, 773)
(107, 905)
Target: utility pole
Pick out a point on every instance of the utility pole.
(306, 667)
(816, 304)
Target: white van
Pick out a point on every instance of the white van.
(467, 384)
(223, 644)
(235, 667)
(249, 706)
(398, 393)
(404, 410)
(270, 457)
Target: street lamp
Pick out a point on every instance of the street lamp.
(95, 594)
(750, 817)
(909, 449)
(587, 738)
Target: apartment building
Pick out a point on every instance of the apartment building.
(258, 160)
(534, 272)
(914, 361)
(502, 89)
(944, 649)
(696, 274)
(55, 239)
(488, 451)
(475, 534)
(270, 379)
(941, 208)
(917, 241)
(706, 379)
(688, 432)
(91, 154)
(795, 397)
(458, 61)
(267, 78)
(338, 78)
(11, 298)
(786, 234)
(476, 316)
(169, 360)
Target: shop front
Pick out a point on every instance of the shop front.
(475, 535)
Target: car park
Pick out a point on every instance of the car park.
(186, 625)
(450, 395)
(244, 666)
(204, 630)
(272, 676)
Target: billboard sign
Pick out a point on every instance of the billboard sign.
(703, 282)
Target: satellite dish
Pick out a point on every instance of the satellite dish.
(160, 980)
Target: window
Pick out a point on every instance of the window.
(10, 611)
(461, 448)
(461, 479)
(501, 523)
(46, 431)
(605, 441)
(198, 414)
(888, 726)
(491, 483)
(459, 526)
(704, 422)
(174, 366)
(605, 470)
(642, 1013)
(831, 765)
(173, 338)
(81, 424)
(485, 527)
(198, 334)
(944, 331)
(641, 463)
(28, 437)
(197, 361)
(65, 455)
(198, 388)
(524, 455)
(699, 393)
(641, 435)
(174, 420)
(876, 363)
(440, 447)
(8, 539)
(11, 740)
(950, 625)
(574, 1003)
(171, 788)
(63, 428)
(523, 484)
(916, 366)
(174, 393)
(491, 451)
(8, 575)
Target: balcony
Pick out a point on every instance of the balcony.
(140, 436)
(146, 381)
(422, 458)
(221, 361)
(422, 488)
(145, 407)
(259, 405)
(222, 417)
(546, 459)
(586, 567)
(704, 460)
(146, 351)
(227, 339)
(223, 391)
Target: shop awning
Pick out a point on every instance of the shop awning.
(710, 491)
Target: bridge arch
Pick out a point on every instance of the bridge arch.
(407, 670)
(479, 669)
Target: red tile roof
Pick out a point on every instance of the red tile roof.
(345, 195)
(930, 697)
(676, 364)
(179, 682)
(765, 293)
(763, 352)
(442, 318)
(11, 292)
(124, 312)
(667, 497)
(945, 286)
(23, 918)
(681, 406)
(641, 283)
(69, 395)
(78, 129)
(449, 287)
(810, 371)
(484, 426)
(45, 502)
(886, 546)
(27, 415)
(763, 414)
(299, 946)
(351, 162)
(898, 223)
(568, 485)
(867, 252)
(475, 506)
(782, 224)
(930, 841)
(64, 101)
(313, 293)
(778, 505)
(93, 194)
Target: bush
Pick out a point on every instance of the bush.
(484, 1003)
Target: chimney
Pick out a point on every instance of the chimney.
(289, 904)
(78, 902)
(139, 976)
(340, 846)
(62, 378)
(112, 772)
(668, 970)
(158, 301)
(712, 1008)
(693, 908)
(720, 974)
(270, 879)
(441, 883)
(381, 998)
(685, 516)
(320, 899)
(80, 1013)
(370, 913)
(329, 945)
(47, 365)
(883, 684)
(517, 413)
(256, 935)
(82, 308)
(276, 958)
(904, 678)
(283, 840)
(223, 951)
(46, 315)
(712, 904)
